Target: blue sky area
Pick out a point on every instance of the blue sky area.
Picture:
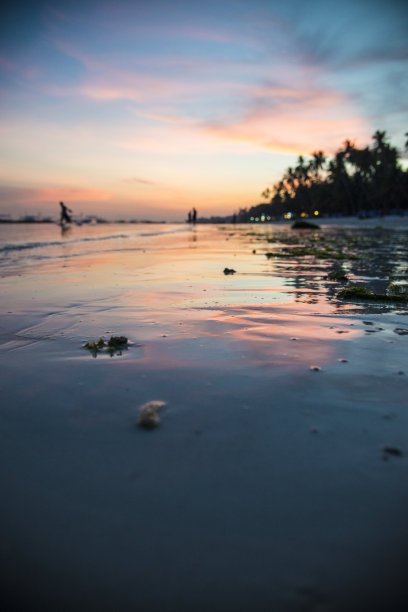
(143, 109)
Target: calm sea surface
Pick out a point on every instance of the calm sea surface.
(22, 243)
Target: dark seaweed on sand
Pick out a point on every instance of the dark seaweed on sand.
(117, 342)
(338, 275)
(361, 293)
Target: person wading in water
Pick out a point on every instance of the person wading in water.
(65, 218)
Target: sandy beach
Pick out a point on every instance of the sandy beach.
(277, 477)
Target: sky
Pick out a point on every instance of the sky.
(143, 109)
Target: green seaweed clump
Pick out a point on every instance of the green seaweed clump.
(355, 292)
(95, 346)
(338, 275)
(361, 293)
(304, 251)
(117, 343)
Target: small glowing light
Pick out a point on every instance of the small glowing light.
(316, 212)
(288, 215)
(268, 218)
(263, 218)
(256, 219)
(252, 218)
(304, 215)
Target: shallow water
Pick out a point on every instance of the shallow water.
(22, 244)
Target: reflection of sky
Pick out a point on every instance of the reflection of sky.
(176, 305)
(127, 107)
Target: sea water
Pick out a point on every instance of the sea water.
(31, 243)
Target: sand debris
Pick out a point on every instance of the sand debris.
(148, 414)
(229, 271)
(315, 368)
(401, 331)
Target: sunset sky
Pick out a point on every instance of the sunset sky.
(143, 109)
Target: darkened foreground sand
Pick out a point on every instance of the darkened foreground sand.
(266, 486)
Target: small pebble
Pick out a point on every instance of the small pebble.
(315, 368)
(343, 360)
(401, 331)
(392, 450)
(401, 373)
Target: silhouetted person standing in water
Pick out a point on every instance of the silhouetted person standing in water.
(65, 218)
(194, 215)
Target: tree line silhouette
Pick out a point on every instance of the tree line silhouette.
(356, 181)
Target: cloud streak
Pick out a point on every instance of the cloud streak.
(141, 181)
(293, 114)
(39, 195)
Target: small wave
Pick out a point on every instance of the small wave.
(38, 258)
(172, 231)
(40, 245)
(22, 246)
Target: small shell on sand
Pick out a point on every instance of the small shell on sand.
(148, 414)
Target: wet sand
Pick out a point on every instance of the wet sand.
(266, 485)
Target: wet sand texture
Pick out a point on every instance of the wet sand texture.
(277, 477)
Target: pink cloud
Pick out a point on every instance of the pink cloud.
(6, 64)
(293, 120)
(34, 195)
(74, 52)
(138, 87)
(287, 134)
(28, 72)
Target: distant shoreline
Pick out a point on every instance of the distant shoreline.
(398, 219)
(27, 221)
(99, 222)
